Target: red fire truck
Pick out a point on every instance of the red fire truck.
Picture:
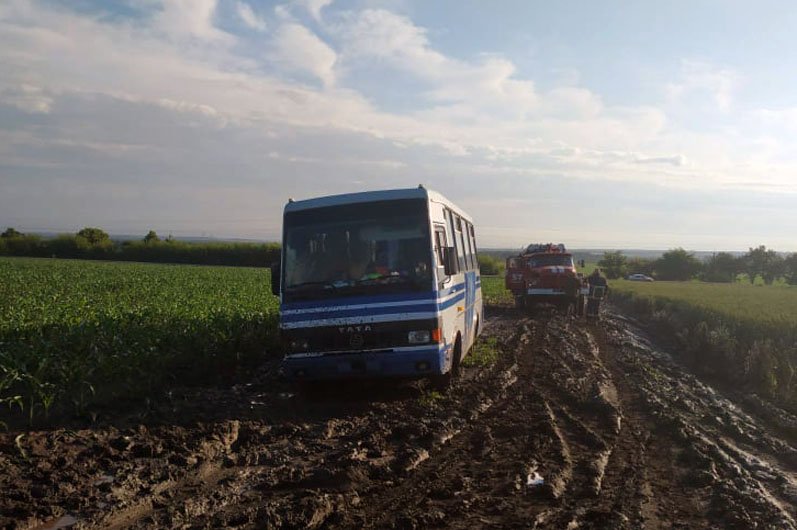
(545, 274)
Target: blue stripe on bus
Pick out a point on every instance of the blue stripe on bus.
(362, 300)
(430, 307)
(451, 290)
(366, 311)
(452, 301)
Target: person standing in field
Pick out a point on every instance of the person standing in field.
(597, 290)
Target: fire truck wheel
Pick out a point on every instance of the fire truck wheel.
(565, 308)
(520, 302)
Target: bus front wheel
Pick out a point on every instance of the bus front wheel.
(443, 381)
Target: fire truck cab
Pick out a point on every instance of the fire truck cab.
(545, 274)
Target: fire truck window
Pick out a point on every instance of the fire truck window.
(551, 260)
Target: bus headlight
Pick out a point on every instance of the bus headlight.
(299, 345)
(419, 337)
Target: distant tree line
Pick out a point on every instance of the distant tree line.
(95, 243)
(679, 264)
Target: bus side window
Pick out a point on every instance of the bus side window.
(450, 217)
(462, 250)
(471, 257)
(440, 243)
(473, 245)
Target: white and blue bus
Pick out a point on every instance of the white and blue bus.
(380, 283)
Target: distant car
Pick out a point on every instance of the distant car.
(639, 278)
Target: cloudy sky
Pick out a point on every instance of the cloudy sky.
(599, 124)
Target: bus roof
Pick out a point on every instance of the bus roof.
(372, 196)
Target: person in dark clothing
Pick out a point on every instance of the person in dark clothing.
(598, 287)
(572, 288)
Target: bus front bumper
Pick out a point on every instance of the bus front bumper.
(396, 362)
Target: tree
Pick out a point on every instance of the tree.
(790, 269)
(94, 236)
(774, 267)
(11, 232)
(614, 264)
(677, 264)
(489, 265)
(764, 262)
(721, 267)
(641, 266)
(151, 237)
(753, 262)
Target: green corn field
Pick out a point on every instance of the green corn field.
(744, 334)
(494, 292)
(76, 332)
(772, 307)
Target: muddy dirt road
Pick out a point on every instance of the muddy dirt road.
(576, 426)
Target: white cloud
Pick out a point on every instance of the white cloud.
(249, 17)
(700, 77)
(578, 103)
(465, 108)
(300, 50)
(314, 7)
(675, 160)
(190, 18)
(784, 117)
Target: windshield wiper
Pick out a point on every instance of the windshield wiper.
(380, 278)
(310, 284)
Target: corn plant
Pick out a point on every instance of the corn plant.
(75, 332)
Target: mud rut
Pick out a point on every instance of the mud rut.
(621, 436)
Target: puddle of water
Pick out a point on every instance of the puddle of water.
(65, 521)
(534, 479)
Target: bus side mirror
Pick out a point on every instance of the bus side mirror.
(275, 278)
(450, 262)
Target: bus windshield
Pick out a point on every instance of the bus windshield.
(357, 249)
